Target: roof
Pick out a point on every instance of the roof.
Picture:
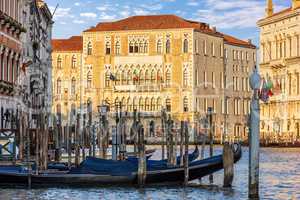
(74, 43)
(281, 12)
(237, 42)
(149, 22)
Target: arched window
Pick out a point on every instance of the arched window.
(117, 103)
(73, 61)
(58, 113)
(124, 78)
(118, 48)
(136, 47)
(185, 104)
(185, 46)
(59, 62)
(73, 86)
(141, 77)
(141, 104)
(153, 74)
(159, 77)
(147, 78)
(107, 79)
(118, 78)
(147, 104)
(135, 77)
(73, 111)
(141, 47)
(107, 48)
(168, 77)
(129, 77)
(153, 104)
(89, 48)
(168, 46)
(146, 47)
(158, 103)
(129, 105)
(58, 86)
(185, 77)
(159, 47)
(89, 79)
(123, 103)
(131, 47)
(168, 105)
(135, 104)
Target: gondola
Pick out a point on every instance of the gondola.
(115, 173)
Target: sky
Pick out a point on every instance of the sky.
(235, 17)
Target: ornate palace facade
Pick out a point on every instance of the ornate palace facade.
(152, 62)
(280, 62)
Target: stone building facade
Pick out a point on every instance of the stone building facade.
(149, 63)
(280, 62)
(11, 28)
(36, 77)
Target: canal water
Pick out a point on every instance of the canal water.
(279, 178)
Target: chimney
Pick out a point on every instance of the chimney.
(249, 41)
(269, 9)
(295, 4)
(214, 29)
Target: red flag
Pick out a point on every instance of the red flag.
(25, 65)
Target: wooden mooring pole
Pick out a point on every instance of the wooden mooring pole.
(211, 139)
(228, 161)
(163, 129)
(181, 142)
(186, 154)
(77, 148)
(142, 167)
(255, 81)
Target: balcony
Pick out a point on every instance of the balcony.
(138, 88)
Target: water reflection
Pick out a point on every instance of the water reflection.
(279, 176)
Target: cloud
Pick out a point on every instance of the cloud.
(88, 15)
(77, 4)
(232, 13)
(106, 17)
(76, 21)
(61, 12)
(193, 3)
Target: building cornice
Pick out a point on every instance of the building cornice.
(278, 17)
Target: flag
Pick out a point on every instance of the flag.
(25, 65)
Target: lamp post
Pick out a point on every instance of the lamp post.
(255, 81)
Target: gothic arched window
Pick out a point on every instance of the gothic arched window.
(168, 105)
(73, 61)
(118, 48)
(168, 77)
(185, 46)
(153, 74)
(159, 47)
(107, 48)
(73, 86)
(168, 46)
(89, 48)
(58, 86)
(185, 104)
(59, 62)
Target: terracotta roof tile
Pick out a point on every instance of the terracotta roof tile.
(234, 41)
(282, 12)
(149, 22)
(74, 43)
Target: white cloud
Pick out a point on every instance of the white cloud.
(193, 3)
(140, 11)
(232, 13)
(106, 17)
(60, 12)
(88, 15)
(76, 21)
(77, 4)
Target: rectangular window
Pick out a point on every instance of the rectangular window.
(221, 50)
(213, 80)
(196, 46)
(205, 79)
(222, 80)
(196, 77)
(213, 49)
(205, 105)
(222, 106)
(205, 47)
(298, 45)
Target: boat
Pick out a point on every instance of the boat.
(113, 173)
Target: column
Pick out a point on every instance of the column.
(5, 58)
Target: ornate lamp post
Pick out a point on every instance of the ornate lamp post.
(255, 82)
